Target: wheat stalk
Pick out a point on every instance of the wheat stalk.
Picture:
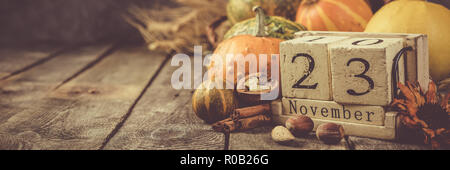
(176, 29)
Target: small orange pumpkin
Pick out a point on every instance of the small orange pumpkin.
(244, 45)
(334, 15)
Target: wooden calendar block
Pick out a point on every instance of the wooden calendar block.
(387, 131)
(361, 70)
(417, 62)
(305, 67)
(329, 110)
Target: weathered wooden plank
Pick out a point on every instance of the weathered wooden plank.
(20, 91)
(81, 113)
(260, 139)
(14, 59)
(373, 144)
(9, 142)
(163, 119)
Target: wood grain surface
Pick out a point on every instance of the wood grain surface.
(260, 139)
(81, 113)
(22, 90)
(163, 119)
(15, 59)
(21, 93)
(375, 144)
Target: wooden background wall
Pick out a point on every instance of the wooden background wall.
(67, 21)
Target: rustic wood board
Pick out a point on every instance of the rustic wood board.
(260, 139)
(16, 59)
(83, 112)
(22, 90)
(374, 144)
(164, 119)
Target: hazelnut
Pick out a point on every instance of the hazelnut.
(300, 125)
(282, 135)
(330, 133)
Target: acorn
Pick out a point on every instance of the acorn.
(300, 125)
(330, 133)
(282, 135)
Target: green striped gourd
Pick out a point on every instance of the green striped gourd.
(212, 104)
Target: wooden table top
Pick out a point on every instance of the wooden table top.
(116, 97)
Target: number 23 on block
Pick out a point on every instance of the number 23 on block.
(344, 69)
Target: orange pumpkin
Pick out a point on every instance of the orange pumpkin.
(242, 46)
(334, 15)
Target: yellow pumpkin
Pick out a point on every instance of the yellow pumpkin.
(419, 17)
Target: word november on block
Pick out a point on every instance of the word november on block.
(329, 110)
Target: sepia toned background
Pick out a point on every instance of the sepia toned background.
(81, 77)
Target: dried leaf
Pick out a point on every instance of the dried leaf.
(428, 112)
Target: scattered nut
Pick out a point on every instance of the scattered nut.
(282, 135)
(300, 125)
(330, 133)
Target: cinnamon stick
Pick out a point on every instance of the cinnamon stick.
(242, 124)
(250, 111)
(244, 119)
(253, 122)
(247, 112)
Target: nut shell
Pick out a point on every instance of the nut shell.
(282, 135)
(300, 125)
(330, 133)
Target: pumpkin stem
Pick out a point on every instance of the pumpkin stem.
(260, 32)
